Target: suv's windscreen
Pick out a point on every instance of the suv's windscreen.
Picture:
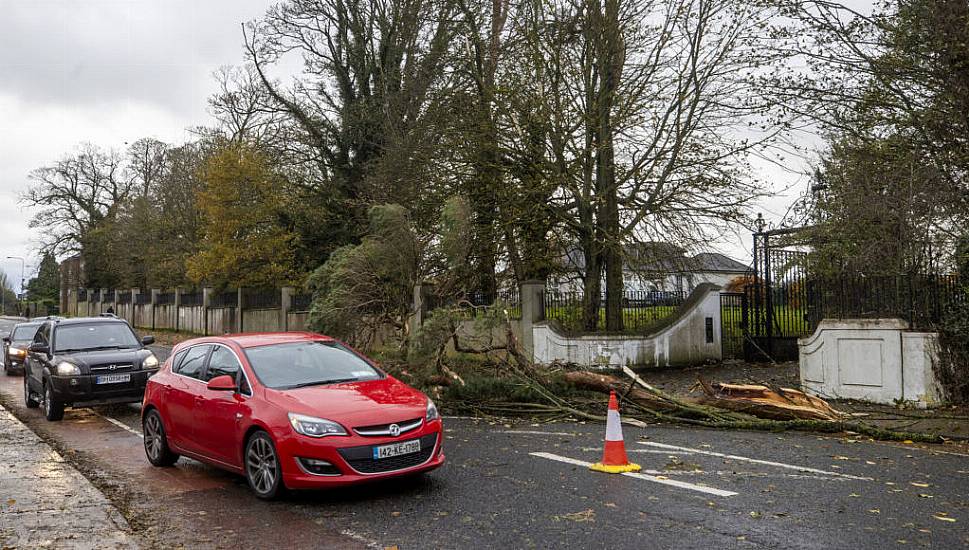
(300, 364)
(93, 336)
(24, 332)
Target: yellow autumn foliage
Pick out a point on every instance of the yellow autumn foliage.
(243, 242)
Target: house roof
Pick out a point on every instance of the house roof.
(658, 257)
(714, 261)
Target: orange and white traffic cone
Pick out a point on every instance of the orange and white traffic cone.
(614, 459)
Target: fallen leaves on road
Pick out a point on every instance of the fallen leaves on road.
(578, 517)
(942, 516)
(678, 465)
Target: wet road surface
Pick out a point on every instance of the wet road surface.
(520, 485)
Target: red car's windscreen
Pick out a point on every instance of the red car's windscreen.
(300, 364)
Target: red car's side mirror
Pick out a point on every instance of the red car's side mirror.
(222, 383)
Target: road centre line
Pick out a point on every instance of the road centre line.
(752, 460)
(645, 477)
(119, 424)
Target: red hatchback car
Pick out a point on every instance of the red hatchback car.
(288, 410)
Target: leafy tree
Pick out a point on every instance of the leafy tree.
(361, 288)
(365, 109)
(10, 303)
(242, 243)
(46, 285)
(891, 89)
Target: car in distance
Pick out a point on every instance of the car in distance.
(86, 361)
(288, 411)
(15, 346)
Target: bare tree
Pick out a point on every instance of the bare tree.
(651, 104)
(75, 194)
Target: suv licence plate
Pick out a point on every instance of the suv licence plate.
(397, 449)
(112, 378)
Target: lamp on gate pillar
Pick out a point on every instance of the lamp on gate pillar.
(760, 223)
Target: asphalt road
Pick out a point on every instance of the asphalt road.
(519, 485)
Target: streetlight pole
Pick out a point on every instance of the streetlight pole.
(23, 270)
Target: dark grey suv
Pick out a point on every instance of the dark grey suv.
(15, 346)
(86, 361)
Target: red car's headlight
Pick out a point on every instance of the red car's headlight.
(432, 413)
(315, 427)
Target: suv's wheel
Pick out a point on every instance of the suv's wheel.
(156, 443)
(29, 399)
(262, 467)
(53, 409)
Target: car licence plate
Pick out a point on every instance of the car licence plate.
(112, 378)
(397, 449)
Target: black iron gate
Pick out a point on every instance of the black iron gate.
(776, 295)
(733, 312)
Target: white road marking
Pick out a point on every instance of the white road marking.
(647, 477)
(120, 424)
(531, 432)
(362, 539)
(753, 460)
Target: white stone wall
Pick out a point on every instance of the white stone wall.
(684, 342)
(875, 360)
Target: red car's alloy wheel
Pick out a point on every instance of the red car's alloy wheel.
(262, 466)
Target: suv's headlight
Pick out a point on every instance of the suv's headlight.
(67, 369)
(17, 352)
(432, 413)
(315, 427)
(150, 362)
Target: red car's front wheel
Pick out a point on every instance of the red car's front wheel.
(263, 472)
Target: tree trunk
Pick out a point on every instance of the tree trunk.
(592, 284)
(609, 61)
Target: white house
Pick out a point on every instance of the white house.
(658, 267)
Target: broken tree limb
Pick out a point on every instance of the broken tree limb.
(764, 402)
(605, 383)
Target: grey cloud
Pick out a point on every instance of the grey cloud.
(93, 52)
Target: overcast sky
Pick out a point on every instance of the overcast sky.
(112, 71)
(104, 71)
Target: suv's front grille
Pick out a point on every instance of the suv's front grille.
(361, 458)
(107, 368)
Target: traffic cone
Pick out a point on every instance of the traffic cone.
(614, 459)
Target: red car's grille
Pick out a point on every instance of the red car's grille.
(361, 458)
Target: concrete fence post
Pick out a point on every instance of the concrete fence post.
(239, 313)
(154, 300)
(285, 304)
(532, 295)
(104, 298)
(206, 302)
(90, 295)
(178, 304)
(114, 301)
(131, 305)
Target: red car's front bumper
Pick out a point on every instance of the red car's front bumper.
(351, 456)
